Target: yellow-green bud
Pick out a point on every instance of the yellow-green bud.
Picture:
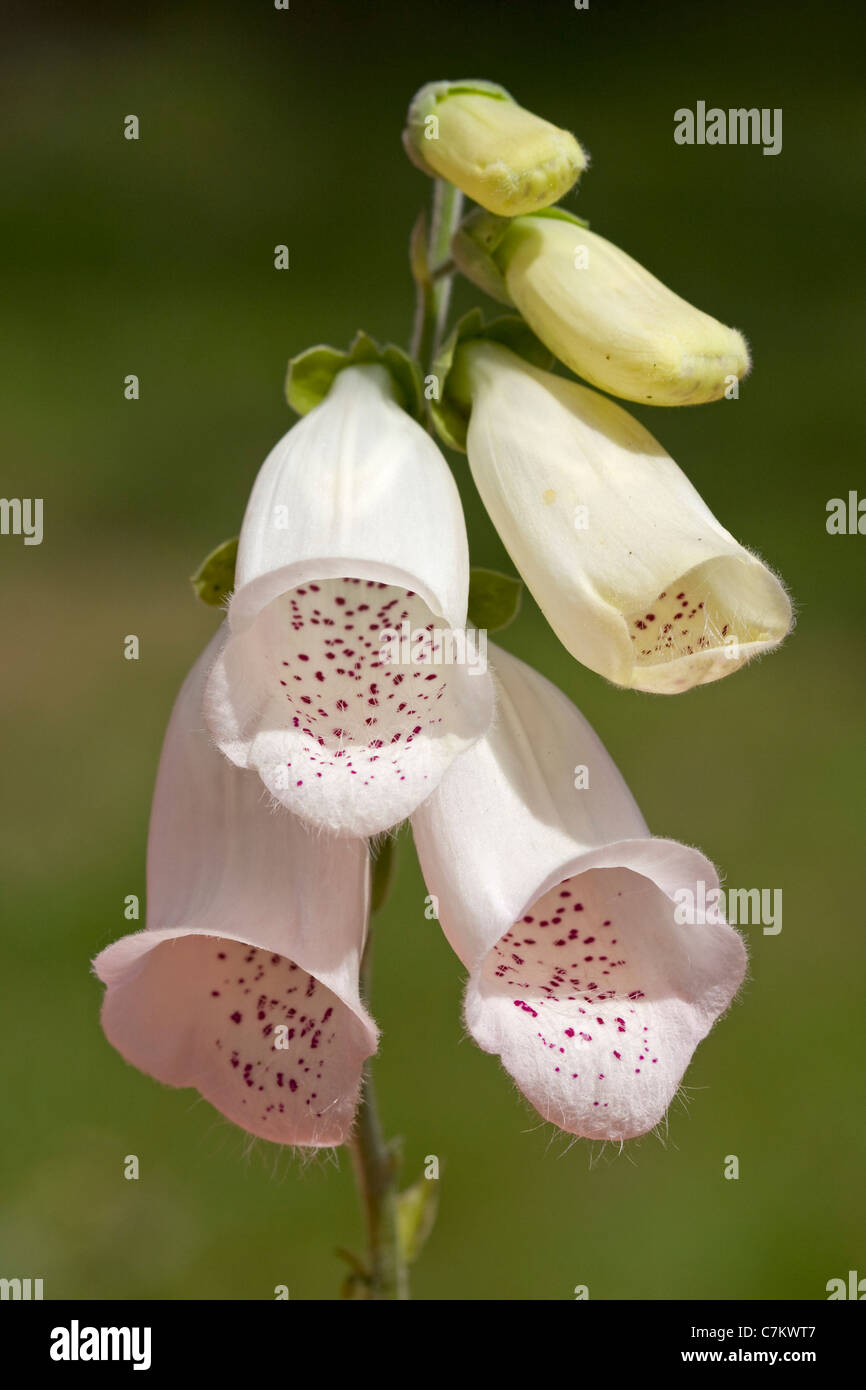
(610, 320)
(474, 134)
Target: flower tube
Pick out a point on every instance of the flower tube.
(353, 529)
(633, 572)
(244, 984)
(563, 909)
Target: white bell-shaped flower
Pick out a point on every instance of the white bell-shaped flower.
(353, 530)
(244, 984)
(564, 910)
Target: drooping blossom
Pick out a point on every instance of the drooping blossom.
(354, 527)
(633, 572)
(563, 909)
(244, 984)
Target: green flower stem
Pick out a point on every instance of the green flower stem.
(434, 284)
(448, 267)
(376, 1170)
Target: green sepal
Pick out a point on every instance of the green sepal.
(418, 258)
(560, 214)
(478, 239)
(514, 332)
(215, 577)
(473, 246)
(311, 374)
(494, 599)
(450, 414)
(416, 1216)
(448, 418)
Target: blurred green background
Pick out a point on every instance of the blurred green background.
(261, 127)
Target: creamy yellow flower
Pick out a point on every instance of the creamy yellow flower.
(611, 321)
(635, 575)
(474, 134)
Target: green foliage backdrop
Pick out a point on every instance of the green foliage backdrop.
(260, 127)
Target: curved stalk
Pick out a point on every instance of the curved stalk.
(437, 273)
(377, 1167)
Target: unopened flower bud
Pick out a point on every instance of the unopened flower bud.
(474, 134)
(602, 314)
